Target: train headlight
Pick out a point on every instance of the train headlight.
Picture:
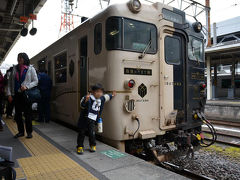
(129, 84)
(134, 6)
(197, 26)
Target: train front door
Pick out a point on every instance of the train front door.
(83, 68)
(172, 78)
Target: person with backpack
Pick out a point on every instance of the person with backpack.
(22, 79)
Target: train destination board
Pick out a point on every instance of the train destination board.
(135, 71)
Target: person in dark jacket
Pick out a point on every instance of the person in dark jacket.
(92, 107)
(45, 87)
(1, 99)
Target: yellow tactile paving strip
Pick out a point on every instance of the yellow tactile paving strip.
(47, 162)
(57, 165)
(37, 145)
(20, 174)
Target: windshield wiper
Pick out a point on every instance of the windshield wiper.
(147, 47)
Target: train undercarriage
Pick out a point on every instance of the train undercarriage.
(172, 145)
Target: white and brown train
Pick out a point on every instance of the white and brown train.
(150, 55)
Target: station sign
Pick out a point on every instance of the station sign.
(24, 19)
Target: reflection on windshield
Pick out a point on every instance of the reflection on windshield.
(195, 50)
(114, 33)
(136, 36)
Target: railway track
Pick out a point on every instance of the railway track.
(227, 123)
(178, 169)
(226, 134)
(184, 172)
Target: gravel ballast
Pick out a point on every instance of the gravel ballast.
(218, 161)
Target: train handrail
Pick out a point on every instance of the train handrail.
(134, 60)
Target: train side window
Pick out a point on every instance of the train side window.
(114, 33)
(172, 50)
(98, 38)
(61, 68)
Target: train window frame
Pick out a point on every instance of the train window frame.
(98, 38)
(180, 53)
(191, 38)
(175, 16)
(121, 47)
(59, 69)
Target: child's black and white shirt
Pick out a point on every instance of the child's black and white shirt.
(93, 108)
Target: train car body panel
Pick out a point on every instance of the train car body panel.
(117, 46)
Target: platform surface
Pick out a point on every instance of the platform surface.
(51, 154)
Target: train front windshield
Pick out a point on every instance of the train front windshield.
(195, 49)
(130, 35)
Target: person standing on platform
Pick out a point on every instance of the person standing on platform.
(22, 78)
(1, 99)
(10, 105)
(45, 87)
(92, 107)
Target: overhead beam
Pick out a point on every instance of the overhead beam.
(36, 10)
(13, 7)
(12, 30)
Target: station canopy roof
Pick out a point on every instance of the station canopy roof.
(228, 50)
(228, 26)
(10, 24)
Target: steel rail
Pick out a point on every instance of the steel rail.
(185, 172)
(179, 170)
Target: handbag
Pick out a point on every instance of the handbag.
(33, 95)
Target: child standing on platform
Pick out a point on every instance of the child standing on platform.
(92, 107)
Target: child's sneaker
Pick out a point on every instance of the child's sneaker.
(93, 149)
(80, 150)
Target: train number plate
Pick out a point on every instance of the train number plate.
(135, 71)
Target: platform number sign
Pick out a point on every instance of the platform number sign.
(113, 154)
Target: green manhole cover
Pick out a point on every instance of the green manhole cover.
(113, 154)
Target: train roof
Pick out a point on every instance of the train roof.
(148, 12)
